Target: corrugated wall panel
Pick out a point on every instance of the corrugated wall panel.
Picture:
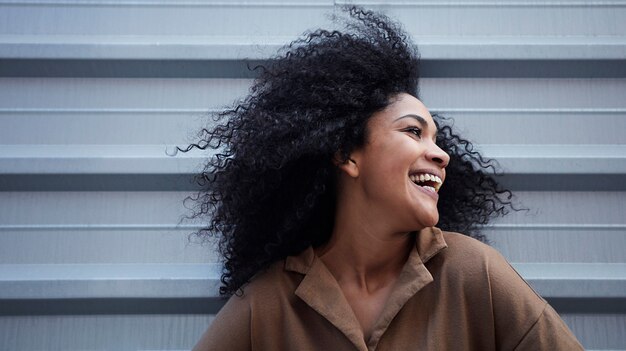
(177, 332)
(103, 332)
(94, 95)
(87, 214)
(51, 111)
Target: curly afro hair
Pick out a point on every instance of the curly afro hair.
(269, 190)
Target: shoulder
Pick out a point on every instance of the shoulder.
(265, 293)
(487, 268)
(272, 286)
(267, 280)
(461, 246)
(521, 317)
(470, 255)
(230, 329)
(485, 280)
(467, 256)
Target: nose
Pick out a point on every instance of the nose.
(438, 156)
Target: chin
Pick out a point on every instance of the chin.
(430, 221)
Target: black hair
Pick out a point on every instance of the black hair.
(269, 190)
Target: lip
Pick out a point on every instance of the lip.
(432, 195)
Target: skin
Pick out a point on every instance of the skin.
(378, 206)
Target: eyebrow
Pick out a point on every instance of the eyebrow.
(420, 119)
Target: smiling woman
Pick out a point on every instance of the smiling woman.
(381, 175)
(325, 194)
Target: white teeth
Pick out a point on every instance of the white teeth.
(425, 177)
(420, 178)
(429, 188)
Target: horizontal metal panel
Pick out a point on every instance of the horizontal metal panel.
(71, 281)
(104, 39)
(172, 3)
(177, 182)
(98, 159)
(140, 227)
(442, 94)
(253, 47)
(149, 288)
(538, 126)
(558, 159)
(105, 182)
(117, 167)
(57, 281)
(177, 332)
(291, 18)
(447, 68)
(478, 3)
(559, 243)
(101, 209)
(576, 280)
(219, 21)
(92, 208)
(130, 68)
(102, 126)
(115, 94)
(177, 126)
(170, 47)
(564, 18)
(98, 167)
(41, 244)
(165, 159)
(566, 209)
(515, 68)
(69, 244)
(427, 3)
(103, 332)
(108, 306)
(601, 332)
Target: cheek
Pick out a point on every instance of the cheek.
(388, 180)
(387, 164)
(379, 181)
(390, 165)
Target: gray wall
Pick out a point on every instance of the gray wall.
(95, 94)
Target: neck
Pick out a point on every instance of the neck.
(362, 253)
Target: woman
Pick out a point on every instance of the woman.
(329, 180)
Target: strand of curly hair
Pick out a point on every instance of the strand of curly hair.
(269, 190)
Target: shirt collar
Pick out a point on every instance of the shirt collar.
(320, 290)
(429, 242)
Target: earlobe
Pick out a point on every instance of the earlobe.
(350, 167)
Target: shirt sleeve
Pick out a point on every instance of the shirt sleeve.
(523, 319)
(230, 330)
(549, 333)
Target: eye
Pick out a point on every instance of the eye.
(415, 131)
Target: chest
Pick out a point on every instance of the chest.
(423, 323)
(368, 307)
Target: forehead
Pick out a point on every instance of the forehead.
(401, 105)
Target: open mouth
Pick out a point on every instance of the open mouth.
(428, 181)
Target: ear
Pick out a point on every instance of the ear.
(349, 166)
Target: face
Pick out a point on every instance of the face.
(400, 168)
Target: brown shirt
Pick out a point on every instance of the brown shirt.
(454, 293)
